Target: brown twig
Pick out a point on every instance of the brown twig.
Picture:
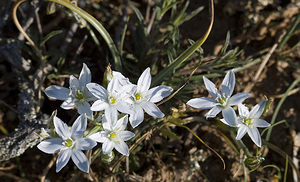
(48, 167)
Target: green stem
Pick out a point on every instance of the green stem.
(98, 26)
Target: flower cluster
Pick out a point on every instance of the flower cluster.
(120, 97)
(222, 101)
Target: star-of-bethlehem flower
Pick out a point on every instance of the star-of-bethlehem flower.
(77, 94)
(114, 135)
(221, 100)
(144, 98)
(248, 122)
(112, 99)
(69, 143)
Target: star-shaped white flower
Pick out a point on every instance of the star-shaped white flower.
(77, 94)
(70, 144)
(113, 99)
(221, 100)
(145, 98)
(114, 135)
(248, 122)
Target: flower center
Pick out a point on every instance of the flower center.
(112, 100)
(68, 143)
(112, 135)
(79, 95)
(247, 121)
(138, 96)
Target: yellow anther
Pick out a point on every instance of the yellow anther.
(68, 143)
(112, 100)
(112, 135)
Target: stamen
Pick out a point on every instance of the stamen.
(138, 96)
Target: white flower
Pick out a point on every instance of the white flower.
(69, 144)
(247, 122)
(144, 98)
(113, 99)
(77, 94)
(220, 101)
(114, 135)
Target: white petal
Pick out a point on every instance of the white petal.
(113, 85)
(254, 135)
(99, 136)
(51, 146)
(85, 75)
(63, 159)
(229, 117)
(260, 123)
(144, 81)
(122, 147)
(97, 90)
(61, 128)
(213, 112)
(238, 98)
(99, 105)
(68, 104)
(125, 107)
(126, 135)
(107, 146)
(136, 118)
(151, 109)
(210, 86)
(111, 115)
(85, 108)
(243, 110)
(202, 103)
(121, 124)
(74, 83)
(85, 144)
(258, 109)
(80, 160)
(79, 127)
(241, 132)
(57, 92)
(159, 92)
(228, 84)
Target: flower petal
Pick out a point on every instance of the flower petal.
(238, 98)
(260, 123)
(213, 112)
(202, 103)
(57, 92)
(85, 108)
(243, 110)
(241, 132)
(144, 81)
(121, 124)
(97, 90)
(51, 146)
(85, 75)
(136, 118)
(229, 117)
(61, 128)
(80, 160)
(152, 110)
(79, 127)
(99, 136)
(63, 159)
(125, 107)
(126, 135)
(111, 115)
(107, 146)
(258, 109)
(228, 84)
(68, 104)
(210, 86)
(85, 143)
(254, 135)
(159, 92)
(74, 83)
(122, 147)
(99, 105)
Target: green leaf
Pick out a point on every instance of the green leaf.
(50, 35)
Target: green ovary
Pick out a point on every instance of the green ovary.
(68, 143)
(112, 100)
(247, 121)
(112, 135)
(79, 95)
(222, 100)
(138, 96)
